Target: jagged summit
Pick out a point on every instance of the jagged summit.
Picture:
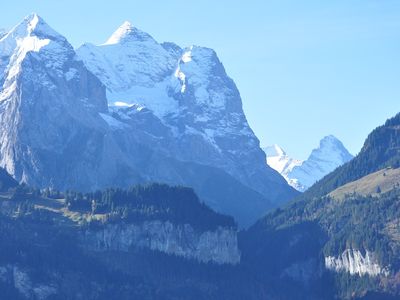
(57, 130)
(127, 33)
(330, 140)
(47, 99)
(135, 68)
(330, 137)
(330, 154)
(32, 24)
(31, 34)
(331, 149)
(32, 38)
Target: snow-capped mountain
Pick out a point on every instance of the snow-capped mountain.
(129, 111)
(302, 174)
(189, 92)
(50, 107)
(279, 160)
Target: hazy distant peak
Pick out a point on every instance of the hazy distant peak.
(331, 149)
(329, 155)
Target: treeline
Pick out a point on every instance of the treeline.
(362, 223)
(179, 205)
(358, 222)
(149, 202)
(322, 226)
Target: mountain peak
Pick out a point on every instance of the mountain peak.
(127, 33)
(33, 26)
(328, 145)
(127, 25)
(32, 34)
(33, 18)
(330, 154)
(330, 139)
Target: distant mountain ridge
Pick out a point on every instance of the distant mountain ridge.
(302, 174)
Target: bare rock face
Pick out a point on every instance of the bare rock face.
(49, 108)
(219, 246)
(190, 93)
(356, 263)
(172, 116)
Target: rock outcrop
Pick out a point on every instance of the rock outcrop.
(219, 246)
(356, 263)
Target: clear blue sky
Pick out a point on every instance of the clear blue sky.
(305, 69)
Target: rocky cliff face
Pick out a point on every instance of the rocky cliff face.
(148, 242)
(172, 116)
(190, 93)
(49, 108)
(356, 263)
(219, 246)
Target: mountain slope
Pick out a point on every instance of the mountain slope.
(341, 237)
(302, 174)
(49, 107)
(372, 184)
(146, 242)
(327, 157)
(381, 149)
(282, 163)
(58, 130)
(279, 160)
(189, 91)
